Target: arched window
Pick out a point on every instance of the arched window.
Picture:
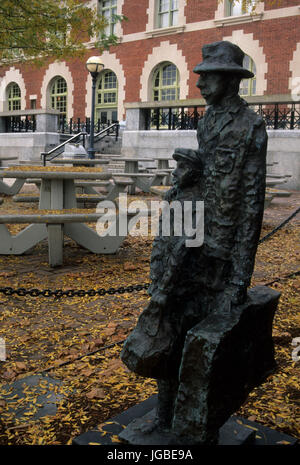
(14, 97)
(248, 86)
(59, 95)
(107, 97)
(165, 83)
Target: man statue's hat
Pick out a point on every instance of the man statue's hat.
(223, 56)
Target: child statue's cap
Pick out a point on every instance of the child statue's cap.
(188, 155)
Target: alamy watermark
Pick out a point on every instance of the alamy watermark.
(176, 218)
(2, 350)
(296, 351)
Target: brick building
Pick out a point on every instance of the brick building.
(159, 46)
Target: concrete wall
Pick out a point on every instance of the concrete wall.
(283, 147)
(27, 145)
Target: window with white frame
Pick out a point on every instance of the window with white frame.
(14, 97)
(248, 86)
(167, 13)
(107, 89)
(238, 7)
(108, 8)
(166, 83)
(59, 96)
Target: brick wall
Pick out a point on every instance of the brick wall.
(273, 5)
(136, 12)
(200, 10)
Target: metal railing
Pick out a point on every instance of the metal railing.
(25, 123)
(112, 130)
(277, 115)
(74, 126)
(53, 153)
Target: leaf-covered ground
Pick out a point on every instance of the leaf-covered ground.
(52, 335)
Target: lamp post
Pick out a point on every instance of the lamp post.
(94, 65)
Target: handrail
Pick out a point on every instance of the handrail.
(100, 135)
(44, 155)
(107, 130)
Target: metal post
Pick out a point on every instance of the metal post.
(91, 150)
(276, 116)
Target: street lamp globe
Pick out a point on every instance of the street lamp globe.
(94, 65)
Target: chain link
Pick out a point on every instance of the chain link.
(58, 293)
(287, 220)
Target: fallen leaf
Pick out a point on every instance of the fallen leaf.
(20, 366)
(129, 266)
(96, 393)
(9, 375)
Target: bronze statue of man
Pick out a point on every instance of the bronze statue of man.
(227, 172)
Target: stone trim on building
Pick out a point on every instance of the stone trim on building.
(294, 80)
(111, 62)
(54, 70)
(164, 52)
(12, 75)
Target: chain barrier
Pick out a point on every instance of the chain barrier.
(22, 292)
(9, 291)
(287, 220)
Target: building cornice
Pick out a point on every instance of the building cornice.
(241, 19)
(165, 31)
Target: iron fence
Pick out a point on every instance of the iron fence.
(74, 126)
(280, 115)
(25, 123)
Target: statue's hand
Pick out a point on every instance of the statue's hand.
(159, 298)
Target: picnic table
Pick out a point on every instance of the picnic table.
(7, 158)
(137, 179)
(80, 161)
(88, 186)
(163, 163)
(56, 216)
(132, 167)
(4, 187)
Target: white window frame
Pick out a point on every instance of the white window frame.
(14, 99)
(250, 82)
(113, 5)
(222, 17)
(152, 27)
(169, 12)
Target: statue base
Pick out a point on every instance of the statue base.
(231, 433)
